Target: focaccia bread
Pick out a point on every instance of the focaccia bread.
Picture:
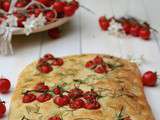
(80, 87)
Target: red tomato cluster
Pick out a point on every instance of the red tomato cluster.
(75, 98)
(42, 95)
(98, 65)
(4, 88)
(130, 26)
(63, 9)
(45, 64)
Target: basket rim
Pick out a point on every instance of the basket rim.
(57, 23)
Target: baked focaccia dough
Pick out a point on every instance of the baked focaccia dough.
(121, 90)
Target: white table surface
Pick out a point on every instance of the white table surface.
(83, 35)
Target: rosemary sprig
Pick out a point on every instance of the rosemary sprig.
(25, 118)
(120, 114)
(113, 66)
(37, 91)
(79, 81)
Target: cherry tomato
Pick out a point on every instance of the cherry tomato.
(48, 56)
(28, 98)
(90, 64)
(4, 85)
(101, 69)
(104, 23)
(69, 10)
(149, 78)
(90, 95)
(44, 97)
(59, 5)
(57, 90)
(92, 105)
(45, 68)
(57, 62)
(2, 109)
(6, 5)
(77, 104)
(61, 100)
(75, 93)
(49, 15)
(54, 33)
(98, 60)
(41, 87)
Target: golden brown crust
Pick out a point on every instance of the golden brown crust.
(122, 90)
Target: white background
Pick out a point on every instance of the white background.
(83, 35)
